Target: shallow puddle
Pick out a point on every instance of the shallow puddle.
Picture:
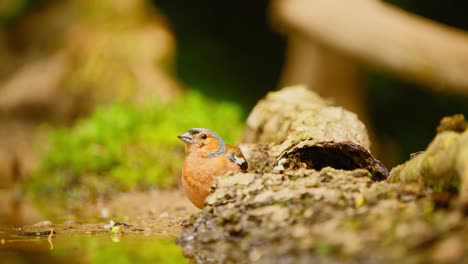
(150, 222)
(17, 246)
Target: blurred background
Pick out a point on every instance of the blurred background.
(93, 93)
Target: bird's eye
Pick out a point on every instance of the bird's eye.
(203, 136)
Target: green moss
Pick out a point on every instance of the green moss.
(452, 185)
(455, 183)
(324, 248)
(124, 147)
(352, 224)
(294, 177)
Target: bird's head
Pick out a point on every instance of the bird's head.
(203, 141)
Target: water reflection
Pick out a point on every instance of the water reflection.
(117, 247)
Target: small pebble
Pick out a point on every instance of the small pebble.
(45, 223)
(180, 208)
(164, 215)
(110, 225)
(105, 213)
(70, 222)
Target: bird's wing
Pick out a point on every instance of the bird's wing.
(235, 155)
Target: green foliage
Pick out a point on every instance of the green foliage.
(124, 147)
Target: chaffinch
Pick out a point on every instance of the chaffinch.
(206, 156)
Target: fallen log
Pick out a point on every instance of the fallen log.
(327, 216)
(304, 130)
(444, 164)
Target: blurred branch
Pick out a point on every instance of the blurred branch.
(377, 34)
(327, 71)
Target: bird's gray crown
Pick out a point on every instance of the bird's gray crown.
(222, 145)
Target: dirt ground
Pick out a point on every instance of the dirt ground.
(155, 212)
(158, 212)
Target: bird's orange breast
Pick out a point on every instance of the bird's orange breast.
(198, 173)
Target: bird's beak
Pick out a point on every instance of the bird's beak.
(186, 137)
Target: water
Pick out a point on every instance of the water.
(19, 247)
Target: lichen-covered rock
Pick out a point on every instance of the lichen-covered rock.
(327, 216)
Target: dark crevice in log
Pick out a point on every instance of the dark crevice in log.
(338, 155)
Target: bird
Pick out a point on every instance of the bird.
(207, 156)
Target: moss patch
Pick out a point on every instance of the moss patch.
(125, 147)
